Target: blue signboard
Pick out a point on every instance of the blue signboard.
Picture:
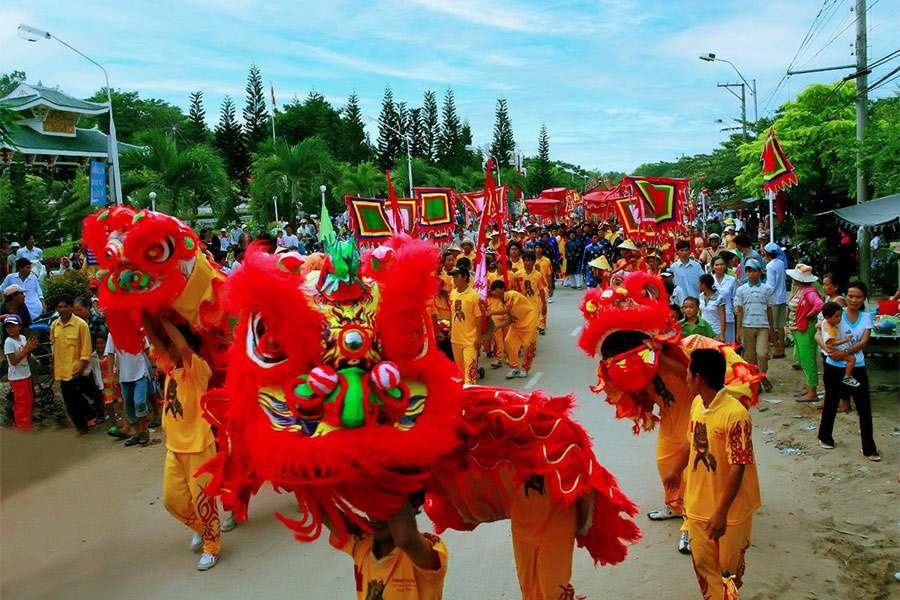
(98, 183)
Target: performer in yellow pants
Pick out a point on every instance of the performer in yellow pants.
(722, 488)
(521, 321)
(184, 498)
(465, 325)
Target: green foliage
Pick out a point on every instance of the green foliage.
(540, 175)
(10, 81)
(451, 151)
(181, 179)
(26, 203)
(196, 131)
(881, 148)
(134, 115)
(431, 125)
(74, 284)
(355, 147)
(390, 142)
(504, 143)
(229, 141)
(363, 180)
(312, 117)
(256, 118)
(64, 249)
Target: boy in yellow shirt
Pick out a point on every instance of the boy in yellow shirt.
(494, 344)
(721, 489)
(465, 325)
(396, 561)
(530, 282)
(543, 264)
(189, 438)
(521, 322)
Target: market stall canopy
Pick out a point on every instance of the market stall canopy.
(878, 212)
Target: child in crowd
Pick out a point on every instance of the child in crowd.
(521, 328)
(834, 327)
(17, 349)
(692, 323)
(109, 387)
(530, 283)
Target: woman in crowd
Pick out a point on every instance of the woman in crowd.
(804, 305)
(726, 286)
(858, 323)
(712, 306)
(832, 289)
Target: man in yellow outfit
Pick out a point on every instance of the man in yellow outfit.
(189, 438)
(465, 325)
(722, 489)
(494, 344)
(521, 322)
(530, 282)
(543, 264)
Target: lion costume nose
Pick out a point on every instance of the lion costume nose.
(115, 250)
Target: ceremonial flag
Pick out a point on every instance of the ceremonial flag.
(369, 220)
(395, 208)
(627, 212)
(435, 213)
(272, 89)
(659, 198)
(777, 172)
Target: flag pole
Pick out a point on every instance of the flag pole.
(771, 216)
(272, 88)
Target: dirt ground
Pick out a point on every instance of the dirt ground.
(81, 517)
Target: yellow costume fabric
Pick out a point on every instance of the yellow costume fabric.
(465, 331)
(184, 498)
(522, 334)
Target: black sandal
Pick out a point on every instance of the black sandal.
(144, 439)
(133, 440)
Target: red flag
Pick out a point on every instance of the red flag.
(777, 172)
(272, 88)
(781, 200)
(395, 207)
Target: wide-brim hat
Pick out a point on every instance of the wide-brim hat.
(13, 289)
(628, 245)
(600, 263)
(467, 241)
(454, 247)
(802, 273)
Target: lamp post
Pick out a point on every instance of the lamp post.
(408, 151)
(710, 57)
(322, 189)
(488, 154)
(33, 34)
(152, 196)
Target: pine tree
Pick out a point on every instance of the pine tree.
(355, 146)
(256, 117)
(504, 144)
(196, 131)
(541, 177)
(430, 126)
(390, 144)
(229, 141)
(416, 131)
(450, 140)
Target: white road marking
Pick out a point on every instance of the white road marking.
(534, 379)
(575, 331)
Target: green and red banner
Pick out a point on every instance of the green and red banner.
(777, 172)
(435, 211)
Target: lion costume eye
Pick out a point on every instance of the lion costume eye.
(262, 346)
(650, 291)
(160, 252)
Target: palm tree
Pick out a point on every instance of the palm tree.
(182, 179)
(365, 181)
(309, 162)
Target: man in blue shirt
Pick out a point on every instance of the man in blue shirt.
(775, 279)
(25, 279)
(742, 241)
(686, 270)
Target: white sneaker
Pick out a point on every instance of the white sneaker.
(662, 514)
(207, 562)
(550, 299)
(522, 374)
(684, 543)
(197, 543)
(229, 523)
(496, 364)
(512, 373)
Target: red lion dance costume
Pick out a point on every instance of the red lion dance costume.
(151, 262)
(643, 362)
(337, 392)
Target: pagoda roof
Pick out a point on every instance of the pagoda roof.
(26, 96)
(86, 142)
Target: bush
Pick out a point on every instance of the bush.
(70, 283)
(64, 249)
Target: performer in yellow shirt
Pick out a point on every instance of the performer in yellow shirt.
(722, 489)
(493, 345)
(189, 438)
(514, 257)
(543, 264)
(465, 325)
(396, 561)
(530, 282)
(522, 320)
(442, 302)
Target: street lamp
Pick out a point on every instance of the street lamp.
(322, 189)
(33, 34)
(710, 57)
(152, 196)
(408, 152)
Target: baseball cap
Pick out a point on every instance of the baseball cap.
(752, 264)
(459, 271)
(714, 235)
(16, 319)
(15, 245)
(667, 273)
(13, 289)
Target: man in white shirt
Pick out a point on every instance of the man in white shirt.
(24, 278)
(686, 270)
(289, 240)
(224, 241)
(30, 251)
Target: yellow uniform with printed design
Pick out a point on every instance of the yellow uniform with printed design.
(521, 335)
(719, 437)
(534, 286)
(189, 444)
(442, 300)
(395, 576)
(465, 331)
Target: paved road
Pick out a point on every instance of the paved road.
(92, 525)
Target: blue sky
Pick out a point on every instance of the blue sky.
(617, 82)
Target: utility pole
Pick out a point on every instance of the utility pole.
(743, 99)
(862, 120)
